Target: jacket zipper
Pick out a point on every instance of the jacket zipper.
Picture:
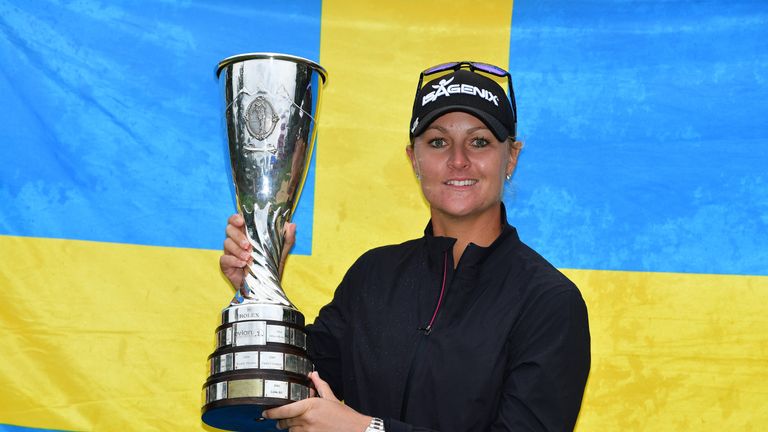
(427, 330)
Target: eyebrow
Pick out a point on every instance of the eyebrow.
(433, 126)
(469, 131)
(475, 129)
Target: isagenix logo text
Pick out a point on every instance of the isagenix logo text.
(444, 89)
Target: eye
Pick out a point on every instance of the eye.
(436, 143)
(480, 142)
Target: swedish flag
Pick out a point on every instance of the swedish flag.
(643, 177)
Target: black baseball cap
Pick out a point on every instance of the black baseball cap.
(465, 91)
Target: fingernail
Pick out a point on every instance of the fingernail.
(245, 256)
(265, 414)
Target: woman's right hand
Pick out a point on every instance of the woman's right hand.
(237, 251)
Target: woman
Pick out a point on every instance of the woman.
(464, 329)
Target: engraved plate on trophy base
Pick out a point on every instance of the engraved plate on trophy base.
(237, 400)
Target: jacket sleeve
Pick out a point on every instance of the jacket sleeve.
(325, 336)
(545, 379)
(392, 425)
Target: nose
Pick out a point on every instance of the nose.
(458, 158)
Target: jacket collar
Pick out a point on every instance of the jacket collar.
(474, 255)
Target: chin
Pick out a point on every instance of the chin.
(462, 211)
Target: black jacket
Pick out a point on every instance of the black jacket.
(508, 348)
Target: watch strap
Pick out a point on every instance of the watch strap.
(376, 425)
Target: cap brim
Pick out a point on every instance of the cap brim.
(499, 131)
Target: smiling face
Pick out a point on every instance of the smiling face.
(462, 167)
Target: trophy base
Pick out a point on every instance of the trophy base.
(260, 362)
(241, 415)
(236, 401)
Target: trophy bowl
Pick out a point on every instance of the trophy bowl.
(260, 361)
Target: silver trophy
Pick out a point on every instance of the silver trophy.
(261, 359)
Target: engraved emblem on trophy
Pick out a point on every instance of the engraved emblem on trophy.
(260, 360)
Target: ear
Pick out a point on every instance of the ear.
(412, 156)
(514, 152)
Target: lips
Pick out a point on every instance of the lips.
(461, 182)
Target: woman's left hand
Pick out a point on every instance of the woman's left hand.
(317, 414)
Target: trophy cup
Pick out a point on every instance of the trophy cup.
(261, 359)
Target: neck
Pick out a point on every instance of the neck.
(481, 230)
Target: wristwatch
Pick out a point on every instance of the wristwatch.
(377, 425)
